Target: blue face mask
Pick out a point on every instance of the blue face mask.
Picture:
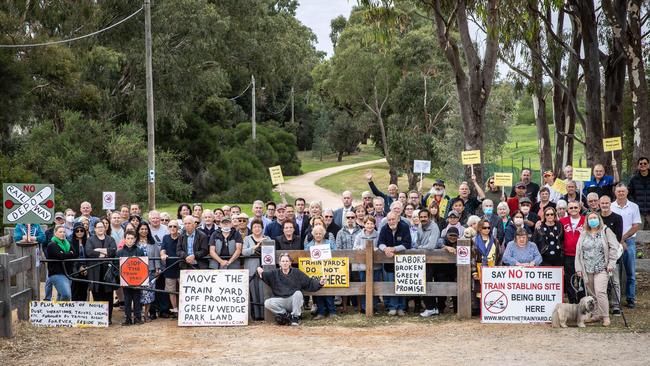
(488, 210)
(593, 222)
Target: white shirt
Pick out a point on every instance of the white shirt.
(630, 213)
(159, 233)
(554, 195)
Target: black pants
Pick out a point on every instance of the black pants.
(132, 303)
(105, 296)
(569, 270)
(79, 290)
(440, 273)
(161, 302)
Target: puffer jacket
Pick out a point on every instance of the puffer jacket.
(639, 192)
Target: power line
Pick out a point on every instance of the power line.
(242, 93)
(71, 39)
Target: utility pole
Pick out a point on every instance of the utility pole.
(253, 105)
(151, 157)
(292, 106)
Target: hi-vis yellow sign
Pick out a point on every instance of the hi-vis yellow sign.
(582, 174)
(335, 270)
(503, 179)
(612, 144)
(471, 157)
(276, 175)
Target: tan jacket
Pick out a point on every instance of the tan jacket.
(610, 248)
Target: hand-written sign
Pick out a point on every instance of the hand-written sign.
(421, 166)
(410, 274)
(213, 297)
(134, 271)
(503, 179)
(276, 175)
(560, 186)
(582, 174)
(471, 157)
(520, 294)
(612, 144)
(335, 270)
(28, 203)
(69, 314)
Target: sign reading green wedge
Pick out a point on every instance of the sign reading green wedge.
(26, 203)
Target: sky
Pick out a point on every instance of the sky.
(317, 14)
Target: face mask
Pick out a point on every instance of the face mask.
(69, 219)
(518, 221)
(488, 210)
(225, 229)
(593, 223)
(525, 210)
(438, 192)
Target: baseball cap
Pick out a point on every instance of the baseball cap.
(523, 200)
(520, 185)
(226, 218)
(548, 173)
(59, 215)
(280, 206)
(439, 182)
(452, 231)
(453, 213)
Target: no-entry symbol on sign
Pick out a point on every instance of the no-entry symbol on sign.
(495, 301)
(27, 203)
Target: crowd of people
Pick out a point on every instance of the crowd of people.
(589, 230)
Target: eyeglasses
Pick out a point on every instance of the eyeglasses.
(643, 163)
(328, 217)
(164, 220)
(270, 209)
(549, 214)
(171, 226)
(573, 208)
(79, 231)
(485, 228)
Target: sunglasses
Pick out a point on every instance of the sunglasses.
(328, 217)
(79, 231)
(171, 226)
(573, 208)
(643, 163)
(549, 214)
(486, 228)
(164, 220)
(350, 217)
(490, 182)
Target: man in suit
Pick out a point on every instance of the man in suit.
(192, 246)
(339, 214)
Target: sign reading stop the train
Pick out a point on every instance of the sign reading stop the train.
(27, 203)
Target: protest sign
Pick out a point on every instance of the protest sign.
(520, 294)
(134, 271)
(276, 175)
(69, 314)
(335, 270)
(612, 144)
(421, 166)
(28, 203)
(268, 255)
(471, 157)
(108, 200)
(462, 255)
(216, 297)
(582, 174)
(503, 179)
(410, 271)
(559, 186)
(320, 252)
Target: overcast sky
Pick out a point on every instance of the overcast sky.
(317, 14)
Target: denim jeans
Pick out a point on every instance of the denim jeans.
(393, 302)
(629, 263)
(325, 304)
(376, 277)
(63, 287)
(48, 288)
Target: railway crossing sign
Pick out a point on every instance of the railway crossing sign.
(26, 203)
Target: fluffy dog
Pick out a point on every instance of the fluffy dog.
(573, 313)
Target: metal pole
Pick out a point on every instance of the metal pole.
(151, 157)
(253, 105)
(292, 105)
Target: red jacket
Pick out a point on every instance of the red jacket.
(571, 236)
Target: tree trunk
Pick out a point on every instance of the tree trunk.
(413, 181)
(339, 157)
(555, 61)
(569, 114)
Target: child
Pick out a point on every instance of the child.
(131, 295)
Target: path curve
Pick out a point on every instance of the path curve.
(304, 186)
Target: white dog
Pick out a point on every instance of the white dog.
(573, 313)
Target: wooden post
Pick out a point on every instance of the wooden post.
(268, 315)
(464, 286)
(369, 278)
(32, 277)
(6, 328)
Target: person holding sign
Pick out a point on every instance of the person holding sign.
(325, 303)
(553, 185)
(522, 252)
(393, 238)
(470, 202)
(60, 248)
(286, 284)
(601, 183)
(132, 296)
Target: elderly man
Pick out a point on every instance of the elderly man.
(593, 202)
(639, 191)
(258, 213)
(437, 193)
(339, 214)
(471, 202)
(86, 209)
(286, 284)
(158, 230)
(388, 198)
(393, 238)
(531, 189)
(378, 209)
(397, 208)
(601, 183)
(366, 198)
(274, 229)
(192, 246)
(330, 225)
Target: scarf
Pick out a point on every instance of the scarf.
(63, 244)
(485, 251)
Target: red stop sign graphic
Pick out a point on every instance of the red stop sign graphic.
(134, 271)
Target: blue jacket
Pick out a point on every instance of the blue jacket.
(400, 239)
(604, 187)
(21, 231)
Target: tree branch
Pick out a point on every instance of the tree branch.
(514, 67)
(571, 136)
(549, 29)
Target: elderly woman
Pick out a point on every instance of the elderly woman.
(313, 222)
(549, 236)
(324, 303)
(522, 252)
(253, 248)
(505, 227)
(561, 208)
(596, 255)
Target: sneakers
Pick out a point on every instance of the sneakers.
(631, 304)
(616, 312)
(392, 312)
(400, 312)
(137, 321)
(283, 319)
(295, 321)
(127, 322)
(427, 313)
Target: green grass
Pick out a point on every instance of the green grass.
(309, 163)
(246, 207)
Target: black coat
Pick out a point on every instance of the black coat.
(54, 251)
(200, 246)
(96, 273)
(639, 192)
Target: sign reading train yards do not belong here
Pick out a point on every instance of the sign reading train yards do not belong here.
(520, 294)
(213, 298)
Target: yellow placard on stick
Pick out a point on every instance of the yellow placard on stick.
(276, 175)
(335, 270)
(559, 186)
(582, 174)
(612, 144)
(471, 157)
(503, 179)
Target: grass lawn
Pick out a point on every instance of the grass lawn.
(310, 163)
(246, 207)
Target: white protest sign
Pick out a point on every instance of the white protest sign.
(69, 314)
(108, 200)
(320, 252)
(462, 255)
(421, 166)
(216, 297)
(410, 274)
(520, 294)
(268, 255)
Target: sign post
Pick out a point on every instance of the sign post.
(320, 252)
(27, 203)
(612, 144)
(277, 178)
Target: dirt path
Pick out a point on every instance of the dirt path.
(305, 185)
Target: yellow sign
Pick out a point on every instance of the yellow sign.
(471, 157)
(503, 179)
(276, 175)
(582, 174)
(335, 270)
(559, 186)
(612, 144)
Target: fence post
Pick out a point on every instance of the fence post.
(32, 277)
(6, 326)
(464, 285)
(370, 249)
(268, 315)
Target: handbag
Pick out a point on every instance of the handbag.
(112, 274)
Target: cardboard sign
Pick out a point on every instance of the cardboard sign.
(108, 200)
(276, 175)
(335, 270)
(217, 297)
(582, 174)
(69, 314)
(463, 255)
(520, 294)
(471, 157)
(27, 203)
(320, 252)
(560, 186)
(421, 166)
(268, 255)
(134, 271)
(612, 144)
(503, 179)
(410, 274)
